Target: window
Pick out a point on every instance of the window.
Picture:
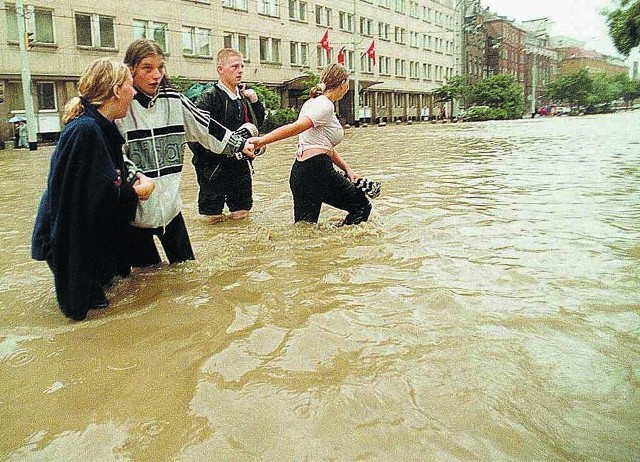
(242, 5)
(414, 69)
(37, 20)
(156, 31)
(270, 50)
(237, 42)
(323, 16)
(323, 60)
(414, 9)
(366, 26)
(196, 41)
(348, 60)
(413, 39)
(398, 99)
(399, 34)
(366, 63)
(384, 64)
(46, 96)
(299, 53)
(400, 6)
(385, 3)
(383, 31)
(400, 67)
(298, 10)
(93, 30)
(269, 8)
(346, 21)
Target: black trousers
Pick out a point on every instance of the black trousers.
(174, 238)
(315, 181)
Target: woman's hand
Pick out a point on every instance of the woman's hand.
(353, 177)
(257, 141)
(143, 186)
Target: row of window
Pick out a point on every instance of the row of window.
(98, 31)
(298, 10)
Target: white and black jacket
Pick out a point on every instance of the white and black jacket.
(156, 130)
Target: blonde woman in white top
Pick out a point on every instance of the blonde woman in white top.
(314, 180)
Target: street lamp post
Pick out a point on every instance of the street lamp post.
(356, 63)
(32, 132)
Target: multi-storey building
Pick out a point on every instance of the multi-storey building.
(505, 48)
(576, 58)
(414, 48)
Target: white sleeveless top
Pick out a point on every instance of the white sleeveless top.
(326, 132)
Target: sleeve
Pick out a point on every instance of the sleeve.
(200, 127)
(320, 112)
(259, 112)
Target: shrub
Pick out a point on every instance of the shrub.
(478, 113)
(277, 118)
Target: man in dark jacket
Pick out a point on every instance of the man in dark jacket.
(226, 180)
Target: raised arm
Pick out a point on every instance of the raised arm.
(281, 133)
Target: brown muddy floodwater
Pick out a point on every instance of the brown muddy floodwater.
(490, 310)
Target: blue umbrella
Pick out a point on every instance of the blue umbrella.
(17, 118)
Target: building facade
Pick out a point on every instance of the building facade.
(413, 43)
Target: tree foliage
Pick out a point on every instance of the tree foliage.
(269, 98)
(502, 93)
(573, 88)
(624, 25)
(456, 87)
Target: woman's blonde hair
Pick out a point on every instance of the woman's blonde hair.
(332, 77)
(96, 86)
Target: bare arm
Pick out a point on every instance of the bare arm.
(339, 162)
(281, 133)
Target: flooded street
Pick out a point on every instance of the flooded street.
(489, 310)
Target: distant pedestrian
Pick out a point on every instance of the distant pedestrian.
(314, 180)
(23, 135)
(82, 214)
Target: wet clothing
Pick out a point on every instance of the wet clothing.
(83, 213)
(225, 179)
(173, 237)
(156, 129)
(315, 181)
(326, 132)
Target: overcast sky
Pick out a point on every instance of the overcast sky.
(576, 18)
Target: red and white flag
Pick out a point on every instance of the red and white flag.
(371, 51)
(324, 43)
(341, 56)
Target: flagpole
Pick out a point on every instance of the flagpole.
(356, 63)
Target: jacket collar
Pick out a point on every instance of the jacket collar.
(108, 128)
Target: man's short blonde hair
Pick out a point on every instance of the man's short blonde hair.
(226, 53)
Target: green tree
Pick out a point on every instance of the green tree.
(269, 98)
(624, 25)
(629, 89)
(456, 87)
(502, 93)
(603, 92)
(573, 88)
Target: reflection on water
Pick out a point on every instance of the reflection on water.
(489, 310)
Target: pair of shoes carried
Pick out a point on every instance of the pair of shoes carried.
(368, 187)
